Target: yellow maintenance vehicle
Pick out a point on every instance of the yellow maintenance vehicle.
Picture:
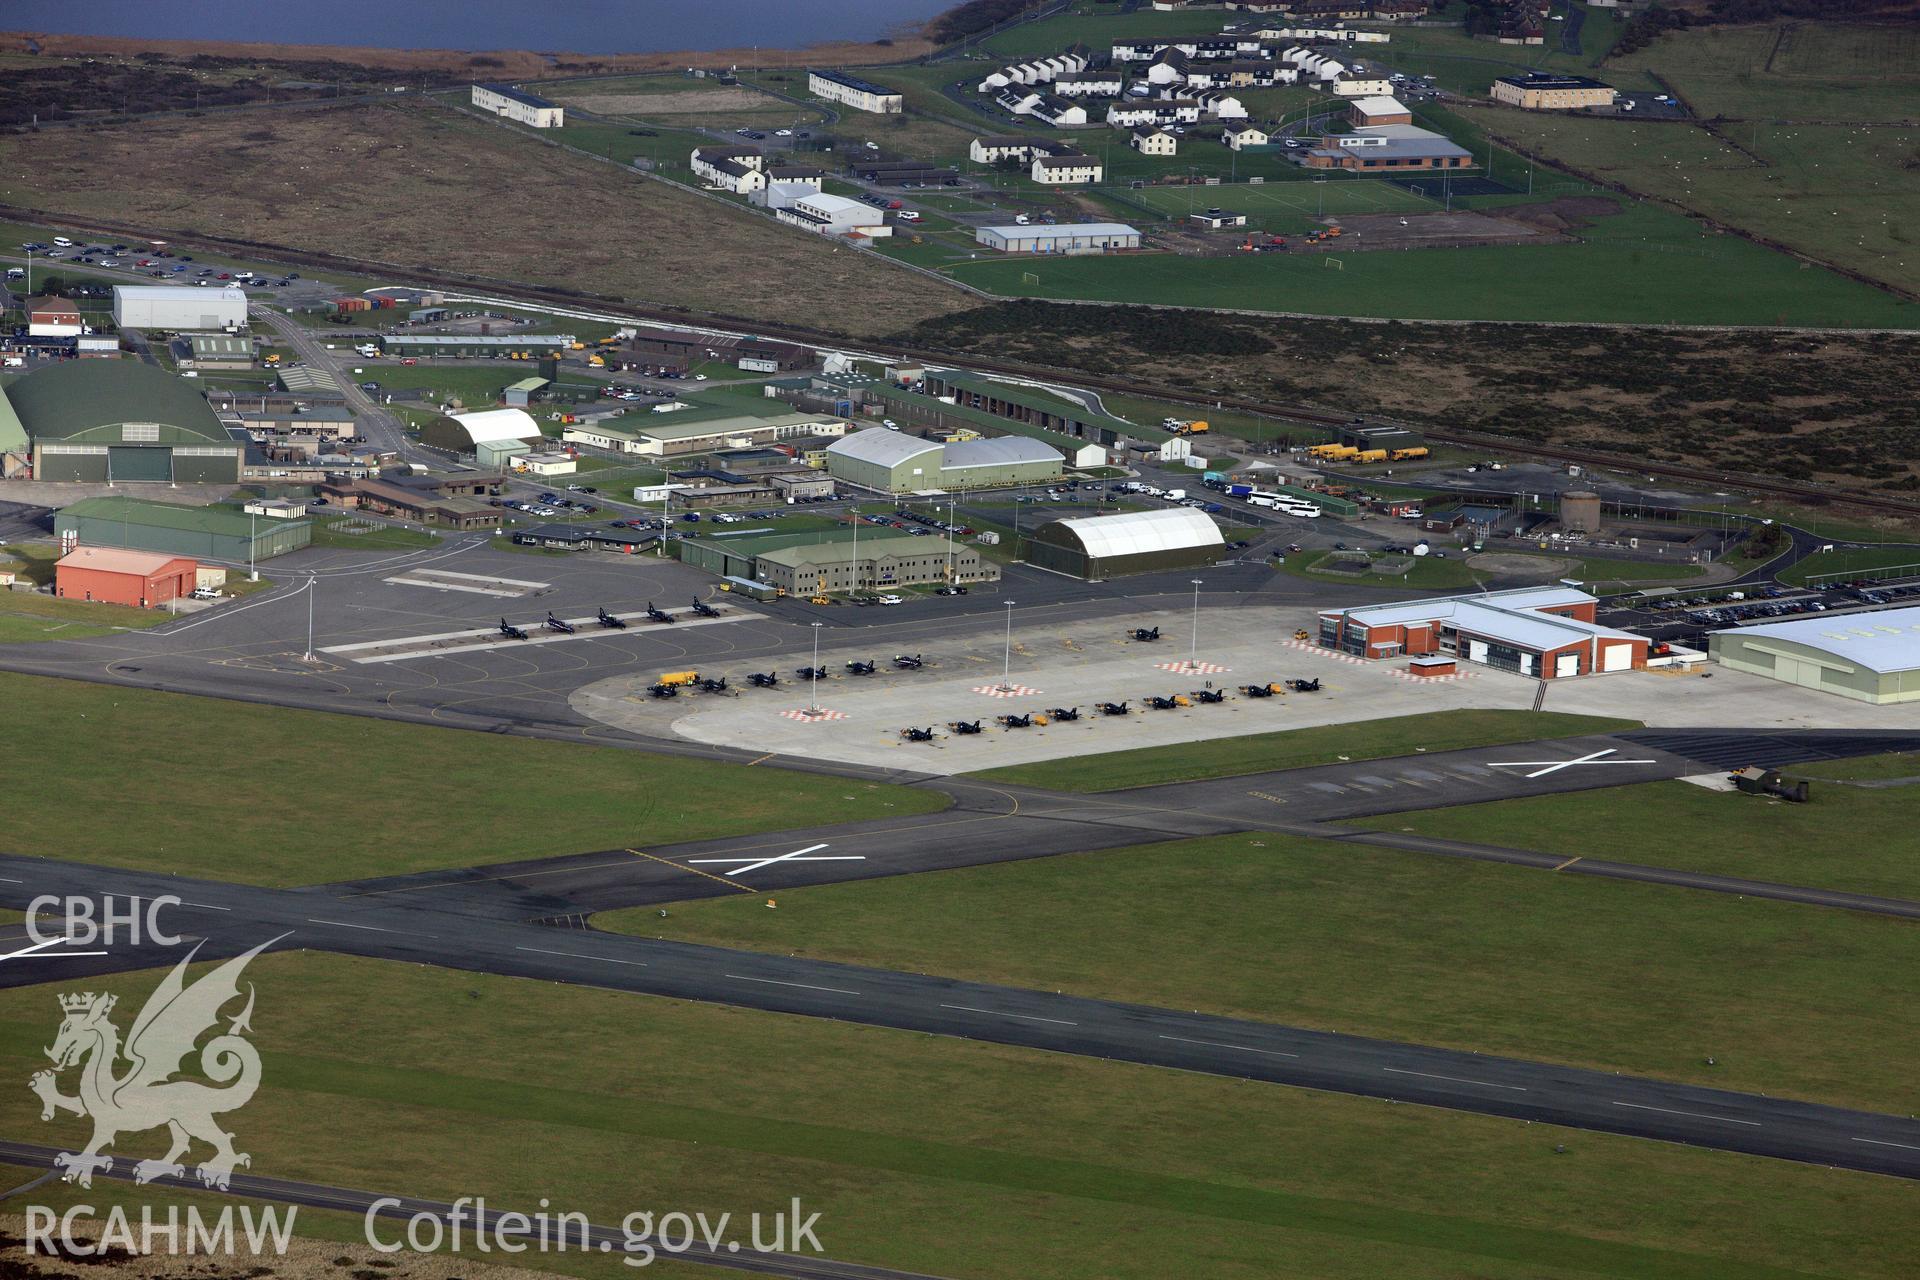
(1332, 451)
(578, 346)
(1371, 455)
(678, 679)
(597, 362)
(1191, 429)
(1405, 455)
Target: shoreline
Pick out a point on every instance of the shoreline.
(491, 64)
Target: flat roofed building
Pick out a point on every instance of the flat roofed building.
(1540, 92)
(471, 344)
(1099, 547)
(1378, 109)
(861, 95)
(425, 503)
(729, 431)
(1071, 237)
(218, 533)
(175, 307)
(509, 103)
(831, 215)
(874, 563)
(1869, 657)
(139, 579)
(1542, 632)
(1393, 146)
(213, 351)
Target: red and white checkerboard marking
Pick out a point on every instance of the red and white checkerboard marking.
(819, 713)
(1006, 691)
(1308, 647)
(1193, 668)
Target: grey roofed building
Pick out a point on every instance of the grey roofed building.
(882, 447)
(1869, 657)
(998, 451)
(1100, 547)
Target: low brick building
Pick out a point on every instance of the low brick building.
(140, 579)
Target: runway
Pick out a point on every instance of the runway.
(1066, 1024)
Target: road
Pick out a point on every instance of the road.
(383, 430)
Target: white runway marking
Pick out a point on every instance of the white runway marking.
(1697, 1115)
(1486, 1084)
(42, 946)
(486, 577)
(1244, 1048)
(1904, 1146)
(205, 906)
(1555, 766)
(371, 928)
(804, 986)
(407, 646)
(1026, 1017)
(454, 586)
(575, 955)
(798, 855)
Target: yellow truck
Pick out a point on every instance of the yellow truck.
(1405, 455)
(678, 679)
(1371, 455)
(1191, 429)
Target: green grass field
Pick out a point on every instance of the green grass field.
(1643, 979)
(327, 533)
(1428, 572)
(1288, 206)
(1640, 266)
(450, 798)
(1790, 71)
(1464, 65)
(1854, 838)
(1852, 561)
(918, 1152)
(1300, 748)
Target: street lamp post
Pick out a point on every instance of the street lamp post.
(813, 674)
(253, 573)
(1193, 647)
(313, 581)
(1006, 665)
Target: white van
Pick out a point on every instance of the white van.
(63, 242)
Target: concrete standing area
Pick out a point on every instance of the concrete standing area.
(1080, 664)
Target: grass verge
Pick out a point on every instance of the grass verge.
(1300, 748)
(919, 1151)
(1645, 979)
(284, 801)
(1853, 838)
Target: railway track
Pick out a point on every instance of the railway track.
(426, 276)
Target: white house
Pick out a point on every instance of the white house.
(1150, 141)
(1355, 86)
(993, 150)
(1061, 113)
(1067, 169)
(1088, 84)
(522, 108)
(1017, 100)
(1217, 102)
(1128, 115)
(859, 94)
(1241, 136)
(741, 170)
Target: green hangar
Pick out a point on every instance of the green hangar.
(1100, 547)
(206, 533)
(1869, 657)
(121, 421)
(895, 462)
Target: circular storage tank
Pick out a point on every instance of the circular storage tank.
(1580, 511)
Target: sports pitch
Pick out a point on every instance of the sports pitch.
(1291, 201)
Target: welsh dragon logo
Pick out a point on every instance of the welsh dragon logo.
(145, 1095)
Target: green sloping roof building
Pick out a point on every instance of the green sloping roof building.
(97, 421)
(220, 533)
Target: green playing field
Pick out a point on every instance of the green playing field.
(1288, 200)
